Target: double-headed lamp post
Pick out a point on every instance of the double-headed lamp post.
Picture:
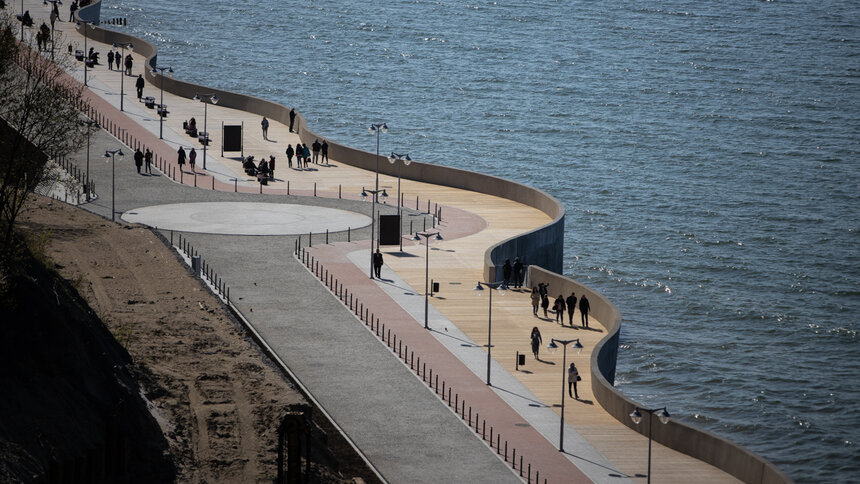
(123, 46)
(90, 124)
(552, 347)
(417, 239)
(377, 129)
(479, 289)
(112, 154)
(161, 71)
(406, 160)
(212, 98)
(636, 417)
(364, 193)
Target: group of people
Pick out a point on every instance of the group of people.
(572, 372)
(515, 271)
(142, 160)
(263, 170)
(191, 157)
(540, 298)
(317, 153)
(115, 58)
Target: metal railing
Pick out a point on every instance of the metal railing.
(471, 417)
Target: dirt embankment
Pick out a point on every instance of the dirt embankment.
(218, 399)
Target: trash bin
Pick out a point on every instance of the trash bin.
(195, 265)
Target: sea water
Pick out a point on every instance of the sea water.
(706, 152)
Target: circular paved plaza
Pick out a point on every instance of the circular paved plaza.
(245, 218)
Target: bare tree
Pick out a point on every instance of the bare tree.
(38, 121)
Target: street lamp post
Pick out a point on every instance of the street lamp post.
(364, 193)
(90, 124)
(122, 45)
(377, 129)
(112, 154)
(479, 289)
(406, 161)
(161, 71)
(552, 347)
(636, 417)
(213, 98)
(417, 239)
(86, 56)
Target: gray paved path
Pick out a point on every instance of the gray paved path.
(403, 428)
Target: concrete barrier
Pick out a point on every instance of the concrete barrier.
(695, 442)
(541, 249)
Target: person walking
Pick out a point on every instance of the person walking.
(72, 9)
(292, 118)
(377, 263)
(536, 341)
(139, 85)
(110, 59)
(584, 307)
(307, 152)
(117, 59)
(138, 160)
(180, 158)
(535, 300)
(316, 149)
(518, 272)
(544, 304)
(271, 167)
(559, 309)
(265, 125)
(192, 160)
(324, 148)
(300, 153)
(542, 289)
(571, 306)
(128, 63)
(506, 272)
(147, 160)
(572, 378)
(290, 154)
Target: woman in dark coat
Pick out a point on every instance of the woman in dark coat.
(290, 154)
(536, 341)
(545, 305)
(181, 158)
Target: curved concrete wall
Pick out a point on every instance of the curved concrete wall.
(540, 247)
(701, 444)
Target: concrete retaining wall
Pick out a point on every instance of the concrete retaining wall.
(540, 247)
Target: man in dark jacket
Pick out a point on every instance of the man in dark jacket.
(518, 272)
(138, 160)
(139, 85)
(583, 309)
(571, 307)
(377, 263)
